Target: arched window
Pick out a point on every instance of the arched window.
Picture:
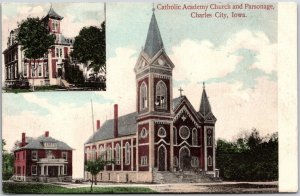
(109, 157)
(194, 137)
(174, 135)
(102, 153)
(127, 153)
(162, 132)
(143, 96)
(209, 161)
(118, 152)
(161, 95)
(209, 140)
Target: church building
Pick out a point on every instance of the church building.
(165, 136)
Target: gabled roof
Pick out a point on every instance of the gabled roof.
(37, 143)
(53, 14)
(154, 41)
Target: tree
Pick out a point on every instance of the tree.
(249, 157)
(90, 48)
(33, 35)
(94, 167)
(7, 162)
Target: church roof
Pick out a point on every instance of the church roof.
(53, 14)
(154, 41)
(126, 125)
(204, 105)
(37, 143)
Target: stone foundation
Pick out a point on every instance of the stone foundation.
(122, 176)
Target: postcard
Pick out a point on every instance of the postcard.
(149, 97)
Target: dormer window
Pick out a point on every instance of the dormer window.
(143, 96)
(161, 95)
(50, 145)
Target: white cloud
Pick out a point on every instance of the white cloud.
(258, 42)
(202, 60)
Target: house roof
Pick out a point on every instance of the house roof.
(37, 143)
(154, 41)
(53, 14)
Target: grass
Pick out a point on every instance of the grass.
(38, 188)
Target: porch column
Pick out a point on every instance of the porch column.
(62, 169)
(47, 170)
(58, 171)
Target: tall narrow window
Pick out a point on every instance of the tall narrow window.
(209, 161)
(161, 95)
(118, 153)
(33, 170)
(209, 140)
(175, 135)
(127, 154)
(33, 70)
(40, 70)
(195, 137)
(143, 96)
(25, 70)
(102, 154)
(109, 157)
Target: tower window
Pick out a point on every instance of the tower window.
(143, 96)
(209, 140)
(161, 95)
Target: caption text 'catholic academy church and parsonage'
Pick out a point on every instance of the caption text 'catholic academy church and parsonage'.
(165, 136)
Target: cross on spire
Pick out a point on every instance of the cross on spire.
(203, 85)
(180, 90)
(153, 9)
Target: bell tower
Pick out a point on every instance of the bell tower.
(154, 100)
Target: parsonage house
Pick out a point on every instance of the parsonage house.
(47, 70)
(42, 159)
(166, 138)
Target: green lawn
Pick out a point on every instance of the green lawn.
(37, 188)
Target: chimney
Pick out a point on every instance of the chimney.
(98, 124)
(23, 139)
(46, 133)
(116, 120)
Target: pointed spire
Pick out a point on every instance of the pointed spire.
(204, 105)
(53, 14)
(154, 41)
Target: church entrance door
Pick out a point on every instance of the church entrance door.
(185, 159)
(162, 157)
